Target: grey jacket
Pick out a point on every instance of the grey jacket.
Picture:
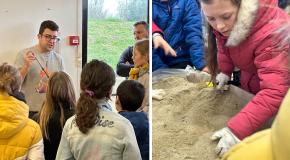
(112, 138)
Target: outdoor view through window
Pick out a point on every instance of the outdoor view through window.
(110, 27)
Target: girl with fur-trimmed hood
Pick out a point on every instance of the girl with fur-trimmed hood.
(249, 35)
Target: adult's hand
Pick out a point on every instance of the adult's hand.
(29, 57)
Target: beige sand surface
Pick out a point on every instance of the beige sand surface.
(186, 118)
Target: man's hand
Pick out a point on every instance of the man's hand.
(226, 138)
(29, 57)
(42, 86)
(159, 42)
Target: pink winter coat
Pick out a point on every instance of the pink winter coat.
(262, 56)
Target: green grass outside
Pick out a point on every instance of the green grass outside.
(107, 39)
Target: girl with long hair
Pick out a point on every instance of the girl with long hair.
(96, 132)
(58, 107)
(141, 70)
(246, 34)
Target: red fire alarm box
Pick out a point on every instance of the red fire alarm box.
(74, 40)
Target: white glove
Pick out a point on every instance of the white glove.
(158, 94)
(221, 80)
(226, 138)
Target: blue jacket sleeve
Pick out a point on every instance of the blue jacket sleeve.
(193, 33)
(157, 62)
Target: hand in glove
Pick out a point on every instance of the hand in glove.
(158, 94)
(226, 138)
(221, 80)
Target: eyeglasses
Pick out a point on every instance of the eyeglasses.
(49, 38)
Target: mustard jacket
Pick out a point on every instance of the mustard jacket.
(20, 137)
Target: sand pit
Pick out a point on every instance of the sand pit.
(185, 119)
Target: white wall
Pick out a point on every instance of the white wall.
(19, 25)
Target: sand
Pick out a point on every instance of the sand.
(185, 119)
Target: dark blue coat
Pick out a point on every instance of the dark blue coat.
(181, 23)
(139, 121)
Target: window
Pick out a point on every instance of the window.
(108, 25)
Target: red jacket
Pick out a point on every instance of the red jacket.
(262, 56)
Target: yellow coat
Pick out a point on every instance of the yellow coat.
(270, 144)
(17, 132)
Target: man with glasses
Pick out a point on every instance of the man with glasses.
(141, 30)
(36, 63)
